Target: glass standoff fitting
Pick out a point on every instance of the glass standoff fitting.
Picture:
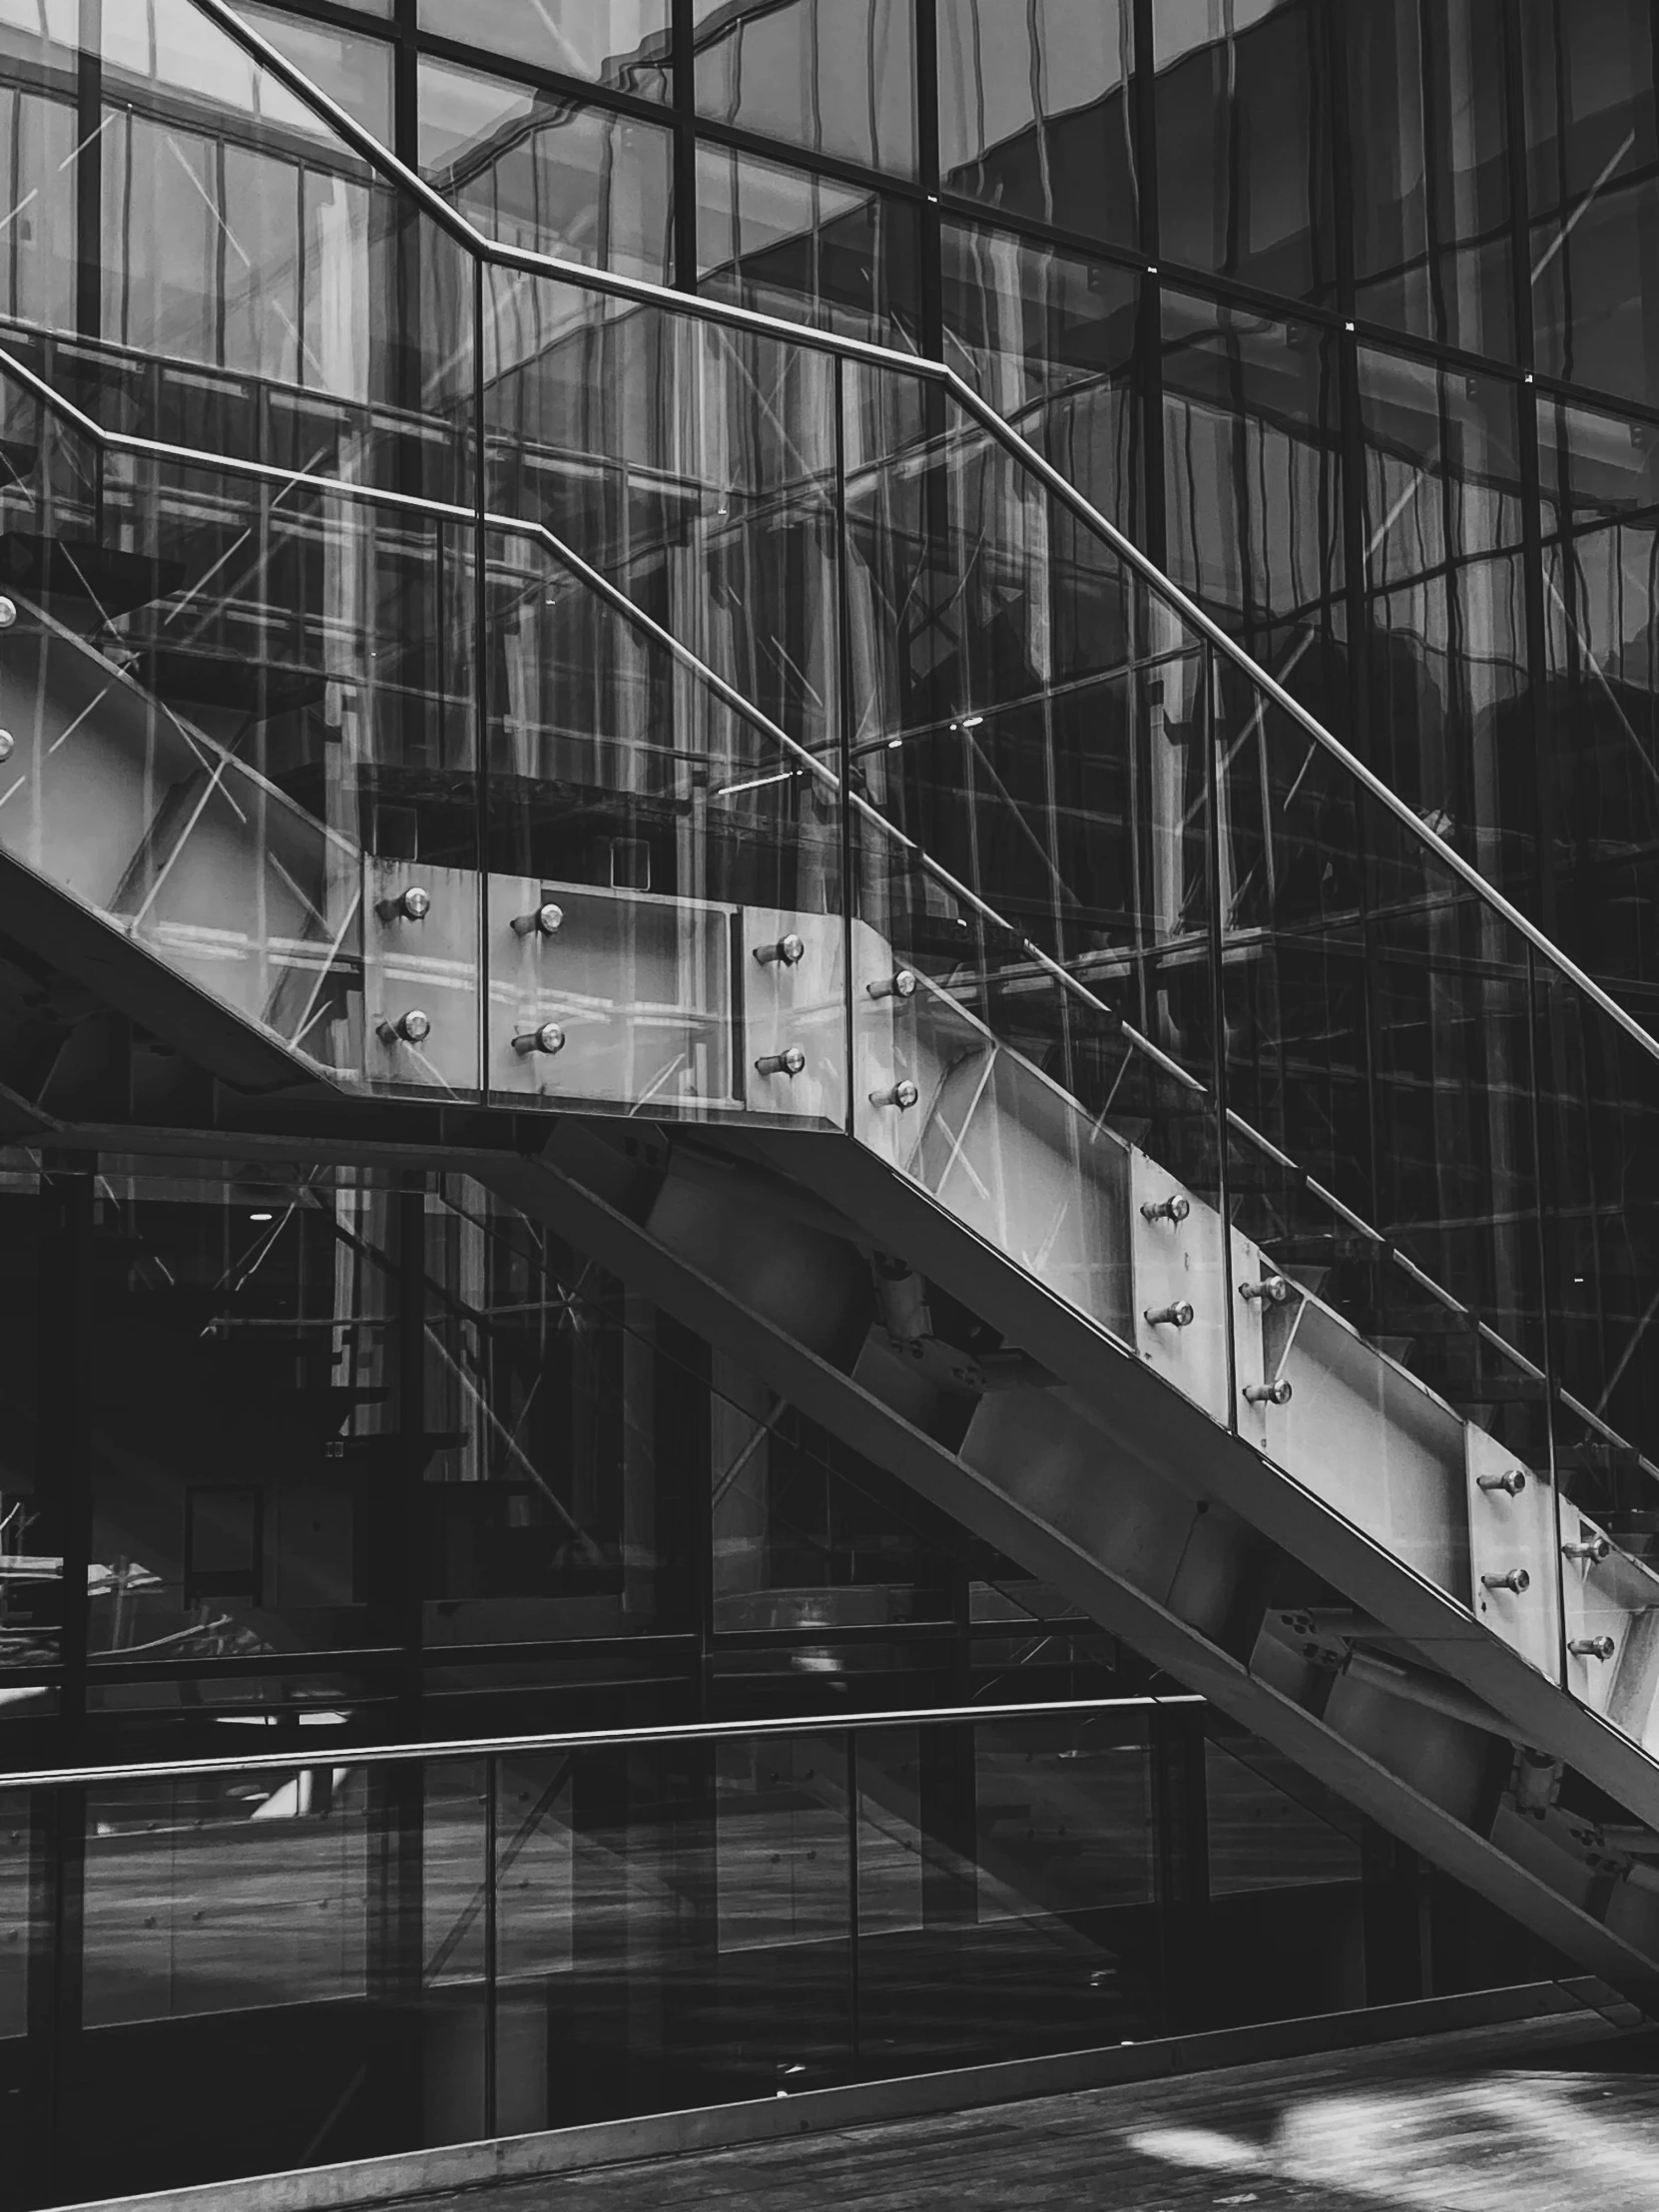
(1273, 1289)
(1517, 1580)
(8, 745)
(547, 920)
(1267, 1393)
(547, 1036)
(1178, 1316)
(787, 952)
(902, 1094)
(1511, 1483)
(900, 984)
(1167, 1209)
(1591, 1647)
(1593, 1550)
(788, 1062)
(414, 1027)
(413, 904)
(8, 613)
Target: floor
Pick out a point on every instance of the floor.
(1537, 2117)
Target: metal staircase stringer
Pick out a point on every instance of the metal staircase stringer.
(1178, 1578)
(1140, 1413)
(56, 928)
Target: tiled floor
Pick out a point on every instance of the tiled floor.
(1538, 2117)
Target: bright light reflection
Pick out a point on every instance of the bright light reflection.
(1530, 2142)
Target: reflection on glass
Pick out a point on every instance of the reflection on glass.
(1035, 114)
(1449, 674)
(31, 1523)
(1601, 696)
(1253, 509)
(807, 248)
(1592, 190)
(1048, 337)
(828, 76)
(1004, 1890)
(244, 1415)
(624, 44)
(351, 69)
(268, 1925)
(1271, 1827)
(235, 233)
(805, 1535)
(548, 175)
(550, 1510)
(1431, 248)
(1242, 103)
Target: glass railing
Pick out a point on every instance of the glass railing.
(452, 1943)
(752, 725)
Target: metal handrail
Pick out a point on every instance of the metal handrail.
(335, 1754)
(488, 250)
(808, 763)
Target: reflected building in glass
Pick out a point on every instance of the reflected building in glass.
(452, 1663)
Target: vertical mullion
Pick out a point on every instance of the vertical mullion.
(683, 32)
(65, 1286)
(844, 714)
(853, 1959)
(1209, 738)
(88, 171)
(926, 33)
(492, 1784)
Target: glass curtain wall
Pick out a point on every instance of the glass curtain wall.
(1308, 290)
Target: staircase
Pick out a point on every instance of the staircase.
(951, 977)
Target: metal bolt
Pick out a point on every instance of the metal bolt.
(1593, 1550)
(790, 1062)
(1517, 1580)
(414, 1027)
(902, 1094)
(900, 984)
(788, 951)
(1273, 1289)
(1267, 1393)
(1593, 1647)
(8, 745)
(8, 613)
(1166, 1209)
(546, 921)
(1512, 1483)
(1178, 1316)
(413, 904)
(546, 1037)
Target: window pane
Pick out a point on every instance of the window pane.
(1243, 153)
(548, 1509)
(1430, 178)
(31, 1526)
(1271, 1827)
(1445, 610)
(1048, 337)
(1252, 487)
(624, 43)
(351, 69)
(244, 1417)
(807, 248)
(1593, 195)
(1601, 501)
(828, 75)
(548, 174)
(1035, 112)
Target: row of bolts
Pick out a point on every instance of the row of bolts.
(1274, 1290)
(414, 1027)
